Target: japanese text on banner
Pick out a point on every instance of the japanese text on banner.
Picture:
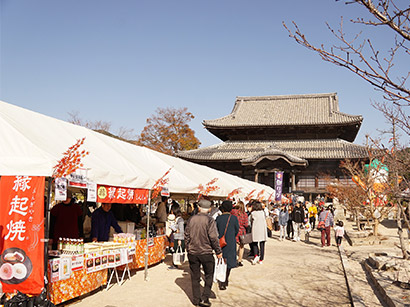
(22, 227)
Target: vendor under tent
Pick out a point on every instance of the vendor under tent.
(32, 143)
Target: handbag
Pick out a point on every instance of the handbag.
(220, 270)
(178, 258)
(246, 238)
(222, 241)
(321, 224)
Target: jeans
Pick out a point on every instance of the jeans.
(282, 232)
(312, 221)
(208, 264)
(289, 229)
(297, 231)
(326, 232)
(259, 250)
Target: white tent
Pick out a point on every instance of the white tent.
(32, 143)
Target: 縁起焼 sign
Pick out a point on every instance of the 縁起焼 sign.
(22, 234)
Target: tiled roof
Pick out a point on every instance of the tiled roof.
(294, 150)
(275, 152)
(323, 149)
(310, 109)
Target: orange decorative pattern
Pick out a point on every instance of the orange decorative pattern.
(156, 189)
(82, 282)
(208, 188)
(78, 284)
(70, 161)
(156, 253)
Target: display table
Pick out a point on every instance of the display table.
(156, 253)
(81, 282)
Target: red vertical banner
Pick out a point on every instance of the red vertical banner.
(22, 234)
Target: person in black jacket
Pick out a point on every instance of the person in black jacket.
(298, 216)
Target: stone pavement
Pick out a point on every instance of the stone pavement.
(360, 279)
(293, 274)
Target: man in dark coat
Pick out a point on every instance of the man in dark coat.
(230, 230)
(201, 239)
(102, 220)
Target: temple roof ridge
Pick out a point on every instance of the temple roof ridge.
(284, 110)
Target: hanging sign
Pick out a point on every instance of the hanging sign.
(78, 178)
(61, 189)
(109, 194)
(165, 191)
(278, 185)
(92, 192)
(22, 233)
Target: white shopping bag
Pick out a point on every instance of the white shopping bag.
(220, 270)
(178, 258)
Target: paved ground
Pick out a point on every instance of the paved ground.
(360, 284)
(293, 274)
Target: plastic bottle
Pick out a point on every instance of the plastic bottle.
(60, 244)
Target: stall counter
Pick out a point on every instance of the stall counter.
(81, 282)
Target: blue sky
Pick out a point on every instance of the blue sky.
(117, 61)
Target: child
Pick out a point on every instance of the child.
(307, 227)
(339, 232)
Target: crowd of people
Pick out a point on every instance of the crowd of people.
(200, 230)
(208, 223)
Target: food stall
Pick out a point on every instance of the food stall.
(73, 274)
(31, 144)
(78, 268)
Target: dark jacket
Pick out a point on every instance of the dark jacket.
(101, 223)
(201, 235)
(229, 251)
(66, 221)
(298, 214)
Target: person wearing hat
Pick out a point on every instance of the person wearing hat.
(228, 226)
(66, 220)
(201, 240)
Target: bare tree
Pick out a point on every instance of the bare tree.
(369, 197)
(104, 127)
(361, 57)
(74, 118)
(352, 197)
(381, 68)
(126, 133)
(398, 161)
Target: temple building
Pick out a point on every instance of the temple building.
(305, 136)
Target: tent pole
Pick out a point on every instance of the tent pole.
(147, 236)
(46, 227)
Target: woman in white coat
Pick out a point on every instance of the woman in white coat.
(259, 232)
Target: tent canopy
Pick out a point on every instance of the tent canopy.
(32, 143)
